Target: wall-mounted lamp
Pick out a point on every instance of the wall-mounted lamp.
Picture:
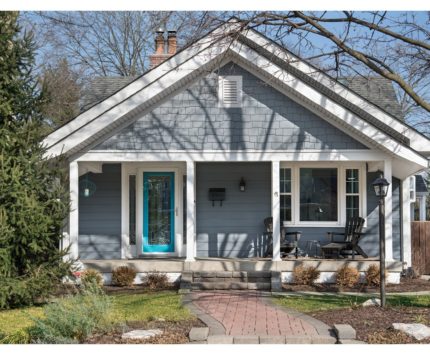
(242, 185)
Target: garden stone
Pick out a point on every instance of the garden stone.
(372, 302)
(198, 334)
(344, 331)
(142, 334)
(417, 330)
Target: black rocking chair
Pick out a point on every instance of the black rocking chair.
(287, 246)
(349, 243)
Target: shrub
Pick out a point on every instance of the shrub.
(305, 275)
(372, 275)
(156, 280)
(123, 276)
(73, 319)
(91, 277)
(347, 276)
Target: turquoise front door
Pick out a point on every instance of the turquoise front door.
(158, 212)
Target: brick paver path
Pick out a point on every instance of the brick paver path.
(245, 313)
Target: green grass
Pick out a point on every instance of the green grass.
(314, 303)
(143, 307)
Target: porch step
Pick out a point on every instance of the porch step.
(229, 280)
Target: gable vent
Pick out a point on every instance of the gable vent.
(230, 91)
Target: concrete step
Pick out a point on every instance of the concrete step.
(227, 280)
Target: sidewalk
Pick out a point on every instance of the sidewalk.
(251, 315)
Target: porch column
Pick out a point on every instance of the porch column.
(423, 208)
(406, 223)
(276, 212)
(388, 211)
(191, 212)
(74, 211)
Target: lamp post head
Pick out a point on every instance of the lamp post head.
(381, 186)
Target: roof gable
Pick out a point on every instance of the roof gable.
(141, 95)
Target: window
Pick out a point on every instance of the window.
(132, 209)
(285, 195)
(352, 193)
(230, 91)
(318, 194)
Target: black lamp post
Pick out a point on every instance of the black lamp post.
(381, 188)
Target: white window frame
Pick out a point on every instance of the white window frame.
(341, 188)
(287, 193)
(238, 80)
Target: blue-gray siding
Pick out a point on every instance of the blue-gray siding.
(192, 119)
(234, 229)
(100, 216)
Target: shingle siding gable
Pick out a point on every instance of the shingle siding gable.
(193, 120)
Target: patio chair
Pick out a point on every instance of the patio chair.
(287, 246)
(348, 244)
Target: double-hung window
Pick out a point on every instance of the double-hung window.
(285, 195)
(352, 193)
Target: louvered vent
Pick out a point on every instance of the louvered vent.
(230, 91)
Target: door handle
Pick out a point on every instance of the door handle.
(176, 211)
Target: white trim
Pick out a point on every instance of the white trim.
(191, 212)
(406, 224)
(90, 167)
(412, 188)
(231, 155)
(74, 210)
(418, 142)
(341, 198)
(388, 211)
(125, 214)
(276, 212)
(422, 207)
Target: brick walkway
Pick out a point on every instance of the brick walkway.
(246, 313)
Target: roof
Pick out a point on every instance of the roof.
(250, 49)
(377, 90)
(420, 184)
(101, 88)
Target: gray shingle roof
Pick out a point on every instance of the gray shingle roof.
(102, 87)
(420, 184)
(378, 90)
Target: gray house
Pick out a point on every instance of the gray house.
(186, 161)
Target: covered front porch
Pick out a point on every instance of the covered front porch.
(111, 223)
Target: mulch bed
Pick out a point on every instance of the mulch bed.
(173, 333)
(406, 285)
(374, 324)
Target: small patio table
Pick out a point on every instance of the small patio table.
(332, 250)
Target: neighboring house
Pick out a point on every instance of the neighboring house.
(188, 159)
(421, 193)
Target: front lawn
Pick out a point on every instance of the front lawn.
(373, 324)
(127, 309)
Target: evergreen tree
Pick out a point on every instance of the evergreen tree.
(33, 199)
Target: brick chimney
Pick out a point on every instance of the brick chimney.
(162, 53)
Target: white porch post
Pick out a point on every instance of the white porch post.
(191, 212)
(406, 223)
(276, 213)
(388, 211)
(125, 245)
(423, 208)
(74, 210)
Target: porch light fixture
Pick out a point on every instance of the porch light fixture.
(381, 188)
(86, 187)
(242, 185)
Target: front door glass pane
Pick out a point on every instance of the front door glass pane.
(159, 210)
